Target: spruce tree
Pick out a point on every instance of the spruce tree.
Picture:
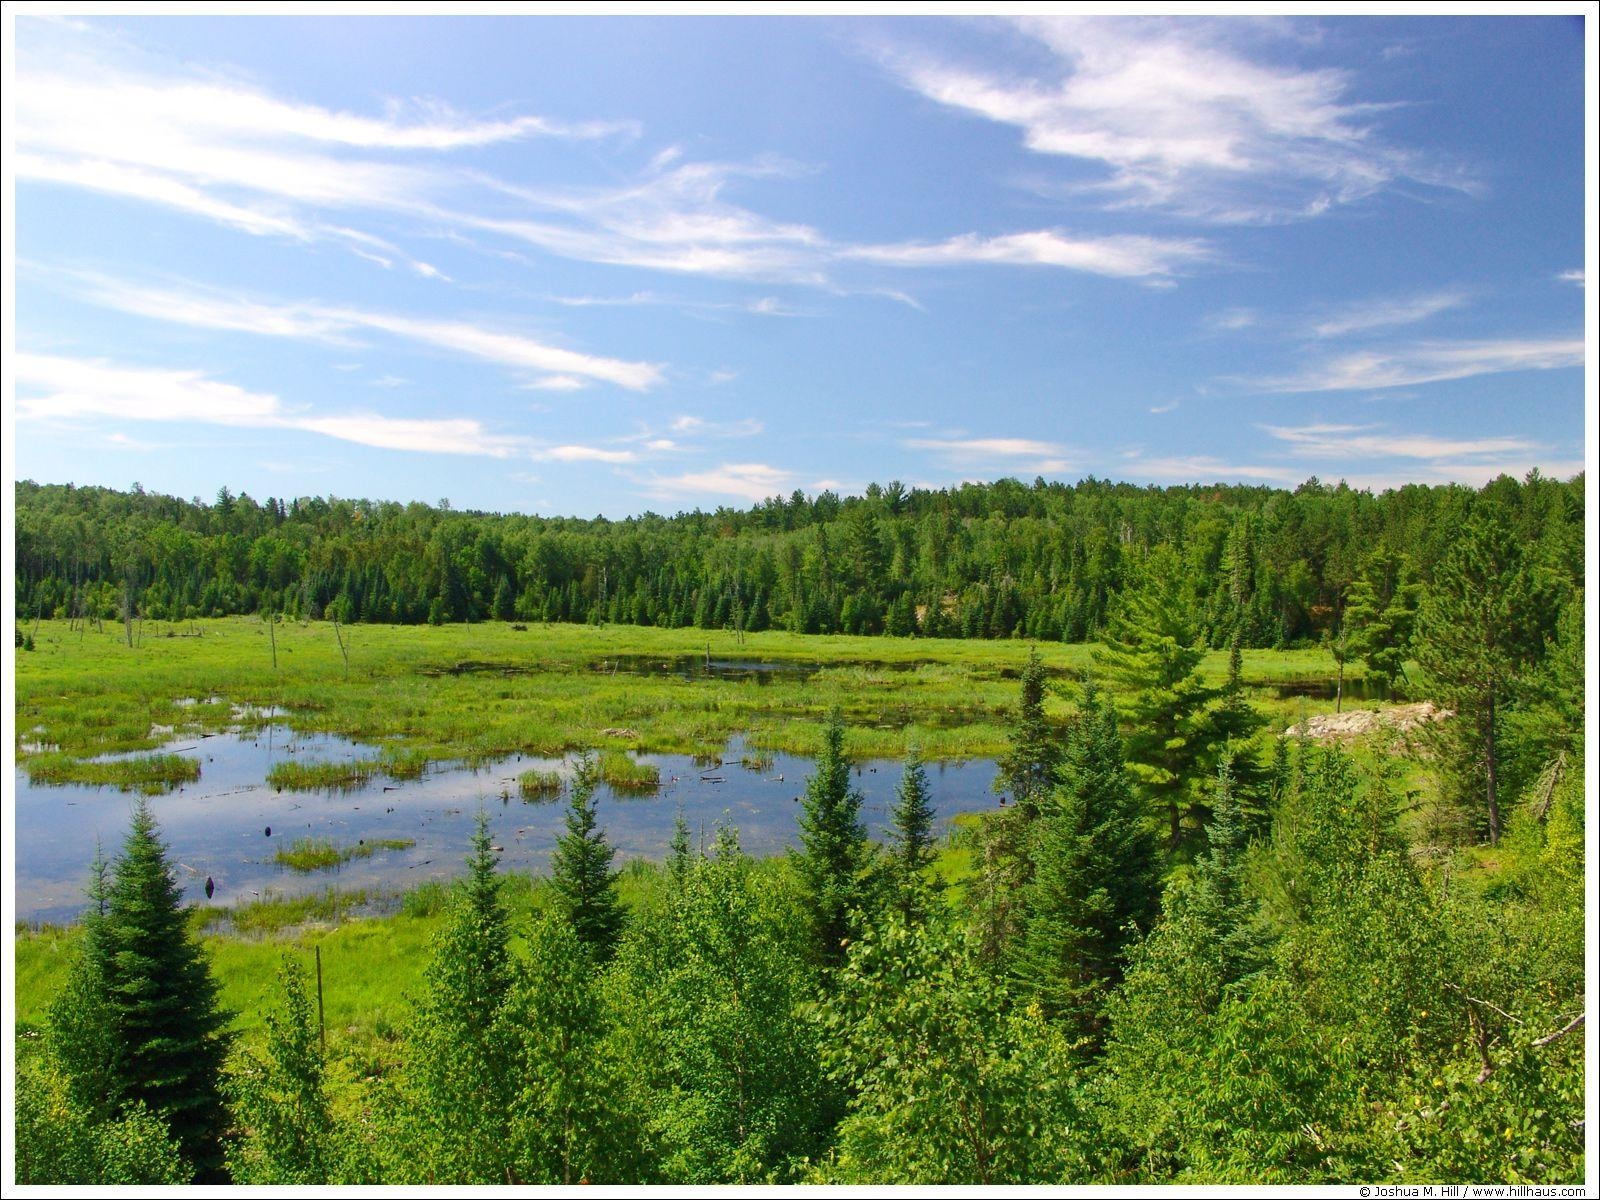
(1096, 881)
(911, 843)
(170, 1031)
(1027, 769)
(581, 874)
(833, 848)
(1152, 655)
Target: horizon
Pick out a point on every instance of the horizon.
(619, 265)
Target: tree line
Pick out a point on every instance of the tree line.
(1263, 566)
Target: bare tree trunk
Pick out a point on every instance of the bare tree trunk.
(1490, 765)
(272, 634)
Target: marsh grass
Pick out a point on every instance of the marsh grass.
(150, 774)
(535, 692)
(320, 854)
(539, 785)
(627, 777)
(298, 776)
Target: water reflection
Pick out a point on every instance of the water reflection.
(217, 828)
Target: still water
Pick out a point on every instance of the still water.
(218, 827)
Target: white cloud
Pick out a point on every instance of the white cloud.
(1386, 313)
(1181, 120)
(986, 447)
(1122, 256)
(324, 323)
(1337, 442)
(1428, 362)
(1575, 276)
(1170, 406)
(748, 481)
(63, 389)
(584, 454)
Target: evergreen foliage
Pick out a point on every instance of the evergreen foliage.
(461, 1078)
(1151, 655)
(911, 848)
(833, 849)
(1482, 627)
(581, 874)
(1028, 769)
(140, 1023)
(1096, 878)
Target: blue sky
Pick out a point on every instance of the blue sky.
(608, 265)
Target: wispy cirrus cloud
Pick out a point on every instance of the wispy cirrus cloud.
(1176, 114)
(231, 153)
(52, 388)
(1426, 362)
(1386, 313)
(1340, 442)
(1332, 449)
(1575, 276)
(1136, 464)
(1124, 256)
(563, 369)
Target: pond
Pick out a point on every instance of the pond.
(218, 827)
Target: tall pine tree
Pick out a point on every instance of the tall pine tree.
(1152, 656)
(581, 874)
(833, 848)
(168, 1029)
(1096, 880)
(912, 850)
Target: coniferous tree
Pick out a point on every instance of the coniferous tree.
(833, 848)
(1027, 769)
(83, 1030)
(1150, 652)
(461, 1064)
(911, 843)
(1235, 722)
(581, 874)
(170, 1032)
(1096, 881)
(1481, 627)
(1381, 615)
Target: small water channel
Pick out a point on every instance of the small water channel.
(218, 827)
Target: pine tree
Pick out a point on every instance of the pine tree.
(83, 1031)
(1481, 627)
(581, 874)
(1027, 769)
(833, 848)
(1381, 615)
(911, 843)
(170, 1031)
(1096, 881)
(1218, 897)
(1151, 654)
(1235, 722)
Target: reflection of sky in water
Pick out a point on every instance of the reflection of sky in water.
(217, 827)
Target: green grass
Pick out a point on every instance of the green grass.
(151, 774)
(320, 854)
(481, 693)
(627, 777)
(539, 785)
(297, 776)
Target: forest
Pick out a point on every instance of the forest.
(1272, 567)
(1185, 946)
